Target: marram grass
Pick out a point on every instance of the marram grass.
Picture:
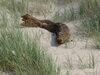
(23, 55)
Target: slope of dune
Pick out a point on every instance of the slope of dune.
(76, 57)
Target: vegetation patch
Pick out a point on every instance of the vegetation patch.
(23, 55)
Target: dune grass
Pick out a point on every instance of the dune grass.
(36, 7)
(91, 19)
(14, 5)
(90, 63)
(81, 62)
(22, 55)
(96, 40)
(65, 16)
(18, 52)
(90, 14)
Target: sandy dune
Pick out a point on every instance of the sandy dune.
(74, 57)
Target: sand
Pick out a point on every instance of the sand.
(77, 57)
(74, 57)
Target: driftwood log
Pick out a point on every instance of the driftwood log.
(61, 30)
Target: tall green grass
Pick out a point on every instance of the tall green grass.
(9, 19)
(91, 19)
(89, 11)
(4, 19)
(96, 40)
(36, 7)
(22, 55)
(15, 5)
(18, 52)
(65, 16)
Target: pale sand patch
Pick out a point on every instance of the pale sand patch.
(78, 48)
